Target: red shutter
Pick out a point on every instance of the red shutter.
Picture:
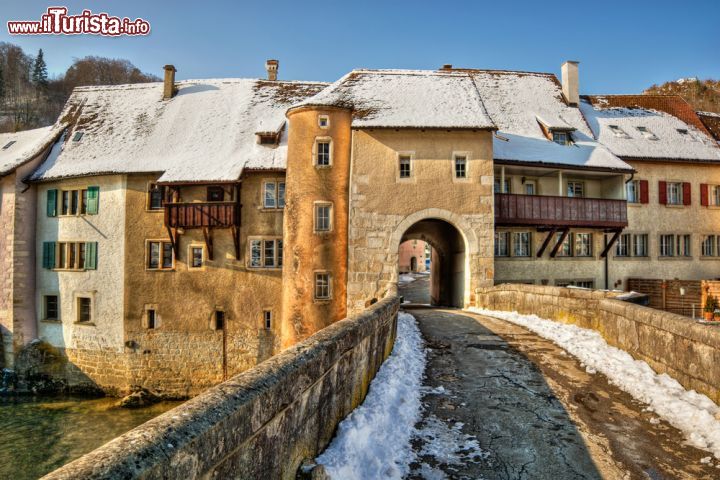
(662, 192)
(704, 194)
(644, 193)
(687, 195)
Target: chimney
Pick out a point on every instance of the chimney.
(570, 82)
(272, 69)
(169, 82)
(447, 66)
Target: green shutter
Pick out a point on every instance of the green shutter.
(93, 200)
(91, 256)
(48, 259)
(52, 203)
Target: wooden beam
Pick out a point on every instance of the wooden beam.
(610, 243)
(236, 241)
(207, 233)
(173, 242)
(545, 244)
(559, 242)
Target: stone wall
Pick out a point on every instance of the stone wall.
(670, 343)
(232, 430)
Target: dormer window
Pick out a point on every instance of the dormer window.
(561, 138)
(9, 144)
(685, 133)
(647, 133)
(268, 138)
(78, 135)
(618, 132)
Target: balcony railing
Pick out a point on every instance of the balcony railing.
(546, 211)
(200, 215)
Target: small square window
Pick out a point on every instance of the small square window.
(323, 121)
(460, 167)
(575, 189)
(322, 286)
(323, 153)
(404, 166)
(647, 133)
(561, 138)
(151, 318)
(156, 194)
(196, 257)
(618, 132)
(84, 309)
(51, 307)
(215, 194)
(267, 319)
(323, 217)
(9, 144)
(78, 136)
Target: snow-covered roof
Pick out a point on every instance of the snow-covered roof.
(407, 99)
(518, 102)
(205, 133)
(20, 147)
(636, 132)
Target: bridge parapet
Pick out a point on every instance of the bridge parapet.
(263, 422)
(670, 343)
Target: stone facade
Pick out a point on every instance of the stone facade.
(232, 430)
(669, 343)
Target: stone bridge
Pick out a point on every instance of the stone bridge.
(534, 409)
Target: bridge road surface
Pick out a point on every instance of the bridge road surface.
(534, 409)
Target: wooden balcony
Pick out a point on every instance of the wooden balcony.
(202, 215)
(557, 212)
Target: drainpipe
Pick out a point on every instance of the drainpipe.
(607, 280)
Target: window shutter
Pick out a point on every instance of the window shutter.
(687, 193)
(704, 194)
(93, 200)
(91, 256)
(662, 192)
(52, 203)
(48, 259)
(644, 192)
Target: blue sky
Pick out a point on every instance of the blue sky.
(623, 46)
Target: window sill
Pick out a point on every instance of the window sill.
(264, 269)
(155, 210)
(659, 258)
(322, 301)
(672, 205)
(709, 258)
(630, 258)
(516, 258)
(85, 324)
(53, 321)
(271, 209)
(323, 167)
(159, 269)
(69, 270)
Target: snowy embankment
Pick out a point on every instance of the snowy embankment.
(374, 440)
(688, 411)
(406, 278)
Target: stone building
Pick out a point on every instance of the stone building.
(414, 256)
(188, 230)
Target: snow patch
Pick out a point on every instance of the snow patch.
(690, 412)
(405, 278)
(374, 440)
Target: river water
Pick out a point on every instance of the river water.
(38, 435)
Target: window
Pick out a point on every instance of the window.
(714, 195)
(73, 202)
(156, 196)
(323, 153)
(667, 245)
(565, 249)
(322, 286)
(646, 133)
(266, 253)
(274, 194)
(323, 221)
(684, 244)
(618, 132)
(499, 184)
(84, 309)
(584, 284)
(460, 166)
(70, 255)
(633, 191)
(196, 257)
(219, 320)
(575, 189)
(160, 255)
(583, 244)
(404, 166)
(622, 247)
(267, 319)
(9, 144)
(215, 194)
(502, 244)
(323, 121)
(640, 245)
(51, 307)
(78, 135)
(686, 134)
(521, 244)
(151, 317)
(710, 246)
(269, 138)
(674, 193)
(530, 187)
(561, 138)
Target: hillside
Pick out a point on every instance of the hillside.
(703, 95)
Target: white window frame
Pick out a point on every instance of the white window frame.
(623, 248)
(711, 241)
(455, 157)
(315, 152)
(411, 160)
(278, 199)
(160, 266)
(583, 249)
(674, 193)
(277, 251)
(329, 288)
(636, 243)
(574, 184)
(714, 195)
(497, 182)
(326, 118)
(516, 252)
(191, 257)
(530, 182)
(666, 245)
(633, 185)
(316, 206)
(506, 242)
(564, 135)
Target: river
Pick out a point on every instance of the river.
(38, 435)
